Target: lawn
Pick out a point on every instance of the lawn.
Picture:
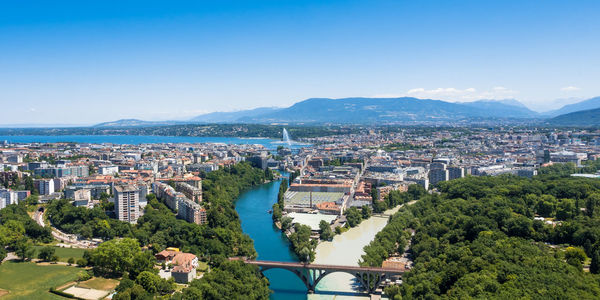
(27, 280)
(99, 283)
(202, 266)
(64, 253)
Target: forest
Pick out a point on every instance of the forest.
(499, 237)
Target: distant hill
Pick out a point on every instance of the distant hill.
(224, 117)
(590, 117)
(359, 111)
(136, 123)
(388, 110)
(507, 107)
(579, 106)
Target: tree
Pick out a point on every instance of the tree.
(232, 280)
(326, 232)
(142, 261)
(114, 257)
(366, 212)
(416, 191)
(575, 256)
(149, 281)
(302, 244)
(595, 265)
(286, 223)
(191, 293)
(2, 253)
(82, 262)
(24, 249)
(46, 253)
(592, 203)
(393, 292)
(338, 230)
(71, 261)
(353, 216)
(29, 185)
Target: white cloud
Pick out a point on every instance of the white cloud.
(454, 94)
(570, 88)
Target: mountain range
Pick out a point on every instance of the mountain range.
(589, 117)
(404, 110)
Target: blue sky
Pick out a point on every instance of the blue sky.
(91, 61)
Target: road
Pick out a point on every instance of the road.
(69, 239)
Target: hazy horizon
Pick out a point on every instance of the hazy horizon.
(85, 63)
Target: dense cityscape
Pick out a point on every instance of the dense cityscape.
(299, 150)
(104, 202)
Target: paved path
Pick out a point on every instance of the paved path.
(69, 239)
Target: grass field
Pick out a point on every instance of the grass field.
(98, 283)
(29, 281)
(64, 253)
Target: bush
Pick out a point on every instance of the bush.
(82, 262)
(83, 276)
(71, 261)
(46, 253)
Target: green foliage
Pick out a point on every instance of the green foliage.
(393, 292)
(338, 230)
(15, 224)
(86, 222)
(82, 262)
(278, 207)
(326, 232)
(301, 243)
(595, 264)
(353, 216)
(478, 239)
(366, 212)
(230, 280)
(83, 276)
(24, 249)
(152, 283)
(286, 223)
(46, 253)
(114, 257)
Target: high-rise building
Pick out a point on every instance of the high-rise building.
(455, 172)
(437, 175)
(45, 186)
(127, 203)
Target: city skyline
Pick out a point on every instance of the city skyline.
(152, 61)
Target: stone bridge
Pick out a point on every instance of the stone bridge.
(369, 277)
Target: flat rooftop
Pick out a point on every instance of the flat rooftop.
(303, 198)
(311, 220)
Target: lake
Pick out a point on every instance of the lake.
(143, 139)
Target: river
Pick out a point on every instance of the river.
(271, 244)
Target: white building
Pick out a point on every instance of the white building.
(127, 203)
(108, 170)
(45, 186)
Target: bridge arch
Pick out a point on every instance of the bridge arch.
(294, 271)
(311, 274)
(312, 277)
